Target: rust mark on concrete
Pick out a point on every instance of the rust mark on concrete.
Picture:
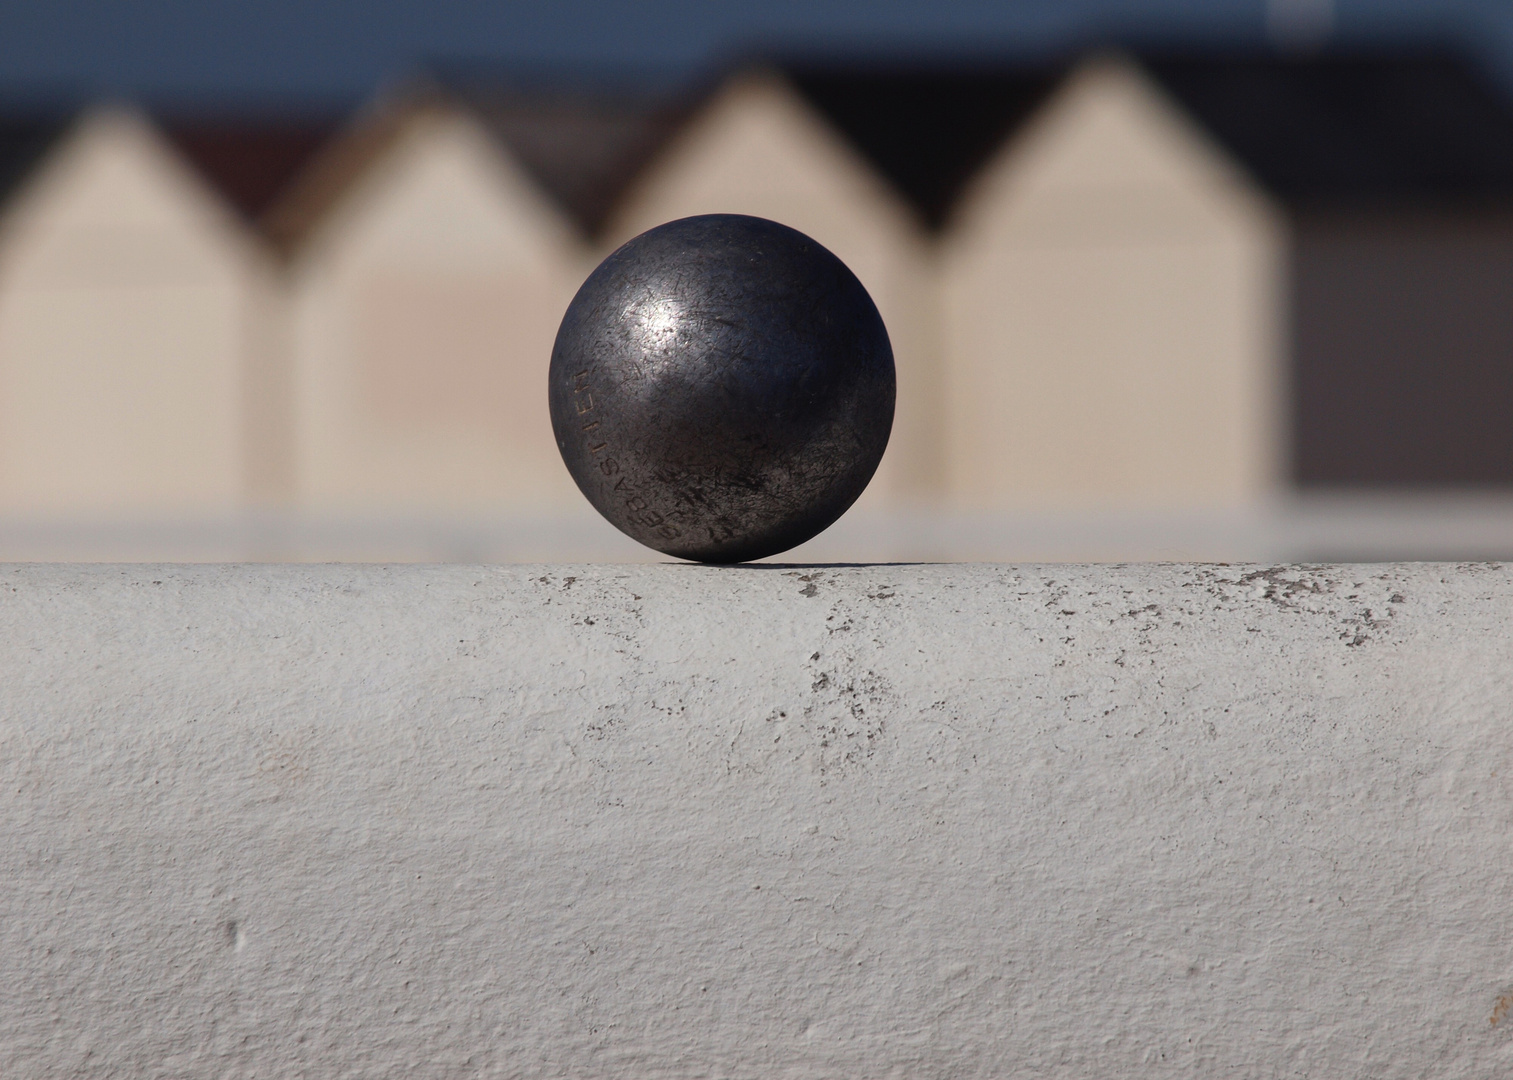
(1500, 1009)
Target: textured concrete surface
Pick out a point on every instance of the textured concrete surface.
(672, 821)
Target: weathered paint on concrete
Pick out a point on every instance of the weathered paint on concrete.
(673, 821)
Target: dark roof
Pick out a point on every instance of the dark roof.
(1316, 130)
(331, 171)
(250, 162)
(1328, 130)
(583, 144)
(1320, 129)
(583, 136)
(928, 130)
(583, 149)
(24, 139)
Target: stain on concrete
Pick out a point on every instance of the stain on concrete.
(1500, 1009)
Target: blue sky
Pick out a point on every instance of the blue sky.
(215, 51)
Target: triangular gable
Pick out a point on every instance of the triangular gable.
(758, 147)
(427, 289)
(400, 134)
(1111, 310)
(114, 166)
(131, 316)
(583, 141)
(332, 173)
(925, 129)
(1108, 128)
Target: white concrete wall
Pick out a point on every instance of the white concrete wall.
(675, 821)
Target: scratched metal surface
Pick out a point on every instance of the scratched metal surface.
(722, 388)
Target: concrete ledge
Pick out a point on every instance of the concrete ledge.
(673, 821)
(1342, 527)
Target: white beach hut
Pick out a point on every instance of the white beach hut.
(1112, 301)
(136, 316)
(429, 274)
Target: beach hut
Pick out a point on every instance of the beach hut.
(134, 306)
(251, 162)
(429, 271)
(1112, 313)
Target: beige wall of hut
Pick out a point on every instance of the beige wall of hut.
(1112, 302)
(425, 303)
(136, 319)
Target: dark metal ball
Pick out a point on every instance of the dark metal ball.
(722, 388)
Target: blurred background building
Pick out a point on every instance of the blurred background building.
(1153, 293)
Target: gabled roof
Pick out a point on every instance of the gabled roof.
(24, 139)
(331, 172)
(583, 145)
(250, 162)
(1317, 130)
(928, 130)
(1330, 130)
